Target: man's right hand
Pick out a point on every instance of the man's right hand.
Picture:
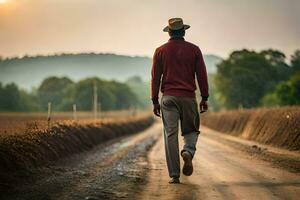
(203, 106)
(156, 110)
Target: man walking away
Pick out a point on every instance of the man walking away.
(175, 65)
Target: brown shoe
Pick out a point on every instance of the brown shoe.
(188, 164)
(174, 180)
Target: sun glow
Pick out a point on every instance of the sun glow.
(3, 1)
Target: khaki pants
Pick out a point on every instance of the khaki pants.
(185, 110)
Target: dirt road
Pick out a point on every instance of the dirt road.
(133, 167)
(222, 171)
(113, 170)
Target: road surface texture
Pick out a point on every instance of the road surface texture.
(227, 168)
(114, 170)
(134, 167)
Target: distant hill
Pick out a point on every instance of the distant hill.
(211, 62)
(28, 72)
(141, 89)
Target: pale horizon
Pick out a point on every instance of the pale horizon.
(134, 27)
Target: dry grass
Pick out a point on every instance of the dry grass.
(38, 146)
(276, 126)
(23, 123)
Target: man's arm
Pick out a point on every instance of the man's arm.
(201, 75)
(156, 74)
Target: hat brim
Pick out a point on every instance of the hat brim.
(185, 27)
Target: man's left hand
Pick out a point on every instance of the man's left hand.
(203, 106)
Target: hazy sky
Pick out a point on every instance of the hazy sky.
(134, 27)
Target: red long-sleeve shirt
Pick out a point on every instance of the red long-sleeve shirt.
(175, 65)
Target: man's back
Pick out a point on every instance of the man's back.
(178, 61)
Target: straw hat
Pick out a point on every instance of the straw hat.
(176, 24)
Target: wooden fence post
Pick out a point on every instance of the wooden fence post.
(99, 110)
(95, 101)
(49, 115)
(74, 112)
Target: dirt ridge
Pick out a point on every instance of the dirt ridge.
(274, 126)
(19, 154)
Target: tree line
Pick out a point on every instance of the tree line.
(245, 79)
(62, 92)
(251, 79)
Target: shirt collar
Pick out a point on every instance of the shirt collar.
(176, 38)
